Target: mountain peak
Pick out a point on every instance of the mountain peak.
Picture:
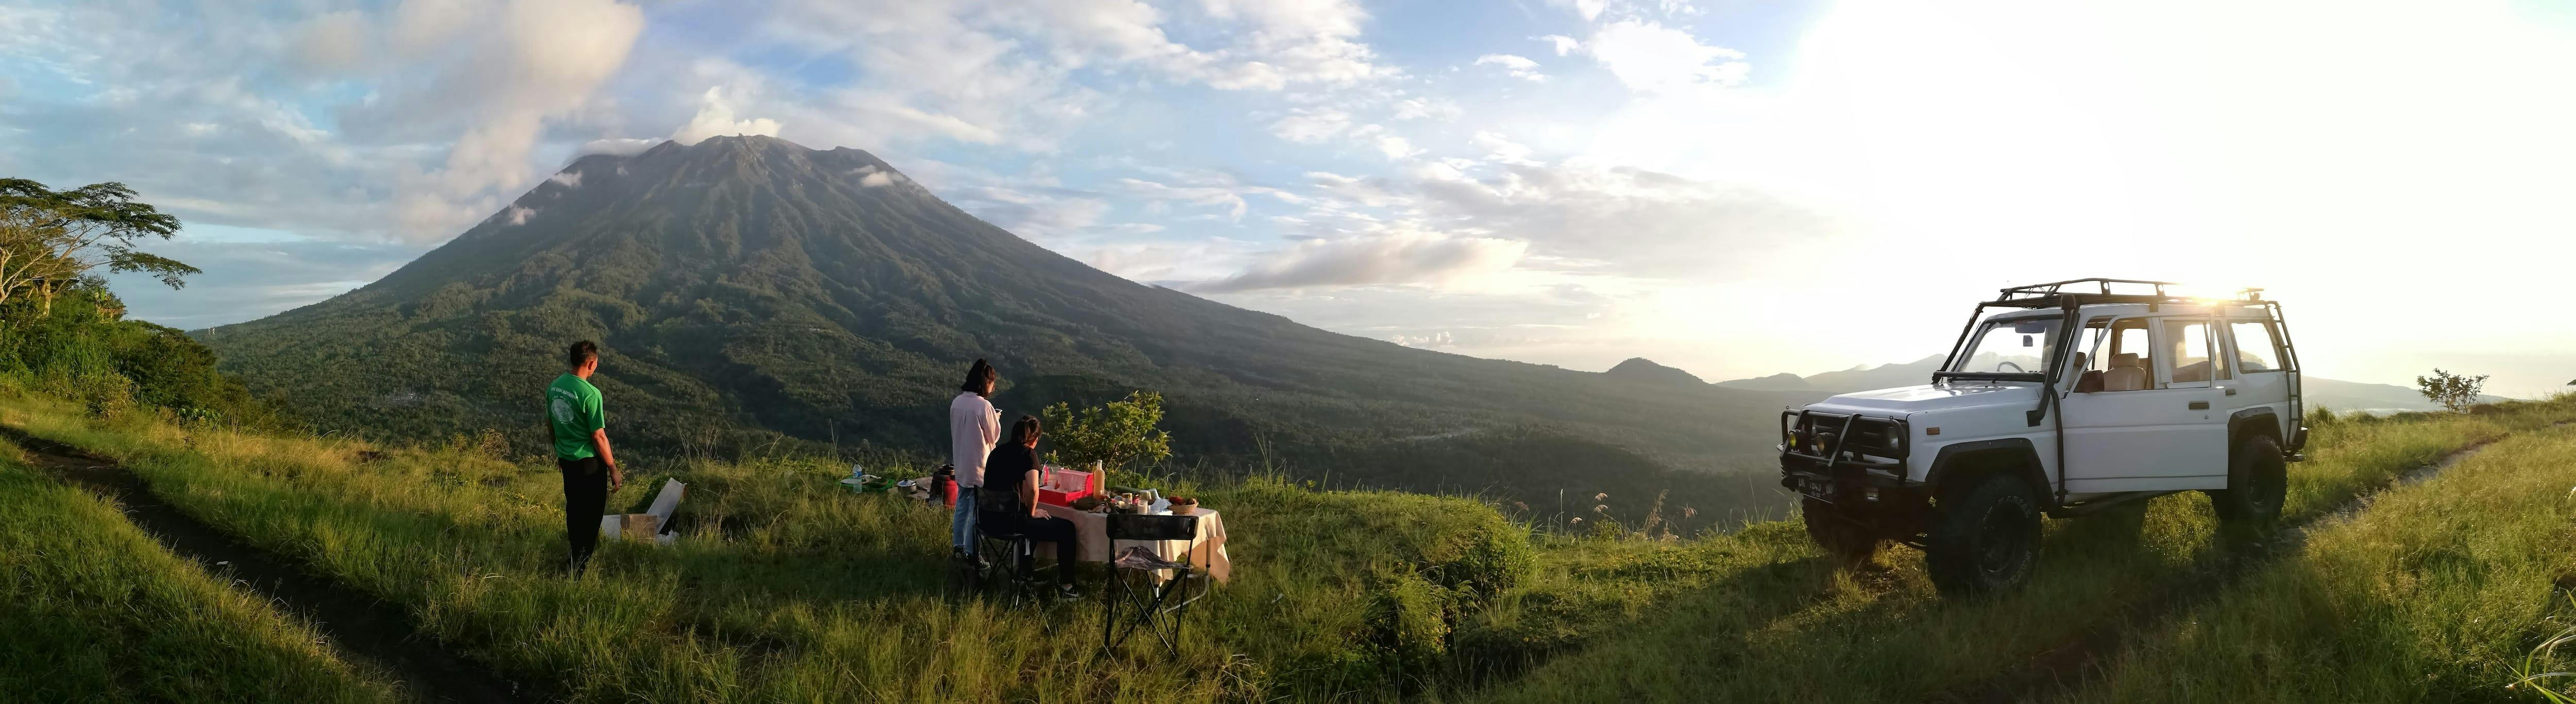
(1643, 369)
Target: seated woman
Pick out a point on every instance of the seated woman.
(1008, 501)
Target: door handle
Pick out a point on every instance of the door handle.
(2231, 392)
(2200, 405)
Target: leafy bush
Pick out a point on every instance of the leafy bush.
(2454, 391)
(1112, 434)
(76, 346)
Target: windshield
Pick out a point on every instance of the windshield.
(2022, 346)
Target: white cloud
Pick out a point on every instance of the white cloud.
(1441, 109)
(715, 118)
(1311, 125)
(1651, 57)
(1563, 44)
(1501, 149)
(618, 146)
(567, 179)
(1395, 147)
(1394, 259)
(1520, 67)
(516, 215)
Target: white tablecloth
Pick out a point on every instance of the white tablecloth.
(1091, 532)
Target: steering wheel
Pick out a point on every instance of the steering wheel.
(1999, 366)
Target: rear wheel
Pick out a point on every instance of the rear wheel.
(2257, 481)
(1984, 536)
(1843, 538)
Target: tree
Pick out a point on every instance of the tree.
(1112, 434)
(50, 239)
(2454, 391)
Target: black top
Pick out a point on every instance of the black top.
(1004, 471)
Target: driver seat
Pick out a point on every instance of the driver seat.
(2125, 374)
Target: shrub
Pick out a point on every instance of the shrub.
(2454, 391)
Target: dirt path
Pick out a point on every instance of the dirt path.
(2068, 664)
(349, 619)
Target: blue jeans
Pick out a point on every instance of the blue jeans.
(961, 525)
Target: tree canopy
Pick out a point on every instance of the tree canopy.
(50, 239)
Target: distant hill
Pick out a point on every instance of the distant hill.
(750, 294)
(1646, 370)
(2327, 393)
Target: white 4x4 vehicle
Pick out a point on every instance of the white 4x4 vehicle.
(2073, 399)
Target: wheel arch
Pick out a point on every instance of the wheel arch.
(2251, 422)
(2018, 457)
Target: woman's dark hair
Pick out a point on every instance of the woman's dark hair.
(1024, 430)
(580, 353)
(978, 376)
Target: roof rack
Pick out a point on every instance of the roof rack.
(2060, 293)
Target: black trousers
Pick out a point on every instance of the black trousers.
(585, 497)
(1045, 530)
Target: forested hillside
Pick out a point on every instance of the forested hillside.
(748, 292)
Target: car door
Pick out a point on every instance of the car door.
(2161, 436)
(2259, 382)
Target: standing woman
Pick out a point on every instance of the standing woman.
(581, 451)
(973, 427)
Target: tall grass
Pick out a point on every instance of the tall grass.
(2439, 592)
(1762, 618)
(785, 588)
(93, 610)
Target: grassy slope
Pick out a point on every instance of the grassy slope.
(1762, 621)
(2436, 590)
(788, 590)
(97, 611)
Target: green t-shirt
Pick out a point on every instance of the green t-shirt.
(572, 407)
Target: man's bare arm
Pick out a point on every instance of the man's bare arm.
(616, 478)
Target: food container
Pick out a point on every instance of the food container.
(1061, 486)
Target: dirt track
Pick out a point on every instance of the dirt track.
(350, 620)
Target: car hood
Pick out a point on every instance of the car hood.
(1930, 397)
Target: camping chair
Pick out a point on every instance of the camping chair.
(1014, 569)
(1135, 599)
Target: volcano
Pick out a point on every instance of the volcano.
(751, 294)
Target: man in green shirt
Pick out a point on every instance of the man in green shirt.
(581, 452)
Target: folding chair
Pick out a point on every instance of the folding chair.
(1014, 568)
(1135, 601)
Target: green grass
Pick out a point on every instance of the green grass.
(1758, 617)
(97, 611)
(2433, 594)
(786, 589)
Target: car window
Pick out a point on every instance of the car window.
(2117, 356)
(2256, 348)
(2189, 350)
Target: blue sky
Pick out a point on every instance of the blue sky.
(1712, 184)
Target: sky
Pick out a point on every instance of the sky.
(1735, 188)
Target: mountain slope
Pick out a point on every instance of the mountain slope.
(748, 291)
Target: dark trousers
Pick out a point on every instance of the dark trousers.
(585, 497)
(1044, 530)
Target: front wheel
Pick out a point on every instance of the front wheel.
(1843, 538)
(2257, 481)
(1984, 536)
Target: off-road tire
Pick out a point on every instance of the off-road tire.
(2257, 481)
(1845, 541)
(1984, 536)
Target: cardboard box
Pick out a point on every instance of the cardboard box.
(631, 526)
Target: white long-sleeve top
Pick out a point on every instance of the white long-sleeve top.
(973, 428)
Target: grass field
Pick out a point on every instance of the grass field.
(99, 612)
(785, 589)
(2433, 594)
(1764, 621)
